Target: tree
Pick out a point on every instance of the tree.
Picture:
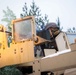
(36, 12)
(8, 17)
(74, 30)
(58, 23)
(11, 70)
(71, 30)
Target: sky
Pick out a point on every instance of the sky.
(64, 9)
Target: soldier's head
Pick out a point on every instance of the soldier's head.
(53, 28)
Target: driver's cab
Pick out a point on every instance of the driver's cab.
(23, 29)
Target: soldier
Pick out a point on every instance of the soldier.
(50, 31)
(54, 31)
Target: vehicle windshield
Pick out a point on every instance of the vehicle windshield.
(23, 30)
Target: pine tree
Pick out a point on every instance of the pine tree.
(8, 17)
(74, 30)
(71, 30)
(36, 12)
(58, 23)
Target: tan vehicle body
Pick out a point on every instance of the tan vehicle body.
(21, 50)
